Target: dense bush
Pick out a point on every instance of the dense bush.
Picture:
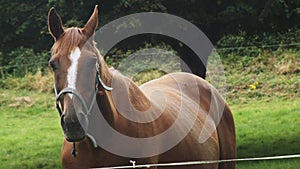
(244, 44)
(40, 81)
(233, 47)
(23, 61)
(263, 40)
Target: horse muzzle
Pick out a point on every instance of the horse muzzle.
(74, 122)
(74, 129)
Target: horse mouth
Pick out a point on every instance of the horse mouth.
(73, 129)
(75, 134)
(74, 137)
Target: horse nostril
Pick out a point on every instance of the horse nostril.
(62, 121)
(70, 124)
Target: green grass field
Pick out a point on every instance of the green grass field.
(30, 133)
(267, 116)
(31, 136)
(268, 129)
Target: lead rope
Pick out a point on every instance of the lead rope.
(74, 152)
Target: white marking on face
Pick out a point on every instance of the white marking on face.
(72, 70)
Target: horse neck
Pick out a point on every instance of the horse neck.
(124, 96)
(105, 73)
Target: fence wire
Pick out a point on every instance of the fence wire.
(260, 47)
(223, 49)
(176, 164)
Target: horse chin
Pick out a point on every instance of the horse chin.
(74, 138)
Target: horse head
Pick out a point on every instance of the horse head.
(74, 61)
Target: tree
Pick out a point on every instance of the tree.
(23, 23)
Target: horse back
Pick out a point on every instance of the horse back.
(222, 140)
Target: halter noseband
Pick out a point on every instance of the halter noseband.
(77, 94)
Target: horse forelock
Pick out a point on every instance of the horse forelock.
(68, 41)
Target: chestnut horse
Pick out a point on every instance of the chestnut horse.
(81, 85)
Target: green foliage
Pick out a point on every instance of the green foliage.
(24, 23)
(24, 61)
(40, 82)
(264, 40)
(243, 46)
(134, 6)
(268, 75)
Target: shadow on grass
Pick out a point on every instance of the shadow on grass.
(262, 147)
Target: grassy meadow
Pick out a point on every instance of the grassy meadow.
(263, 93)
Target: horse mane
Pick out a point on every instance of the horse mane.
(68, 41)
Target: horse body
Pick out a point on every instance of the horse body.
(188, 149)
(158, 103)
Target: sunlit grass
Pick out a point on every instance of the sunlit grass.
(267, 128)
(30, 136)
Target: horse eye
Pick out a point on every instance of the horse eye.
(53, 64)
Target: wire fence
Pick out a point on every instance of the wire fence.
(6, 68)
(189, 163)
(260, 47)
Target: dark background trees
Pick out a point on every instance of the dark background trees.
(24, 22)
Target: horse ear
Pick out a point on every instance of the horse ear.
(92, 23)
(55, 25)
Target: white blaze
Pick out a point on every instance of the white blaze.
(72, 70)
